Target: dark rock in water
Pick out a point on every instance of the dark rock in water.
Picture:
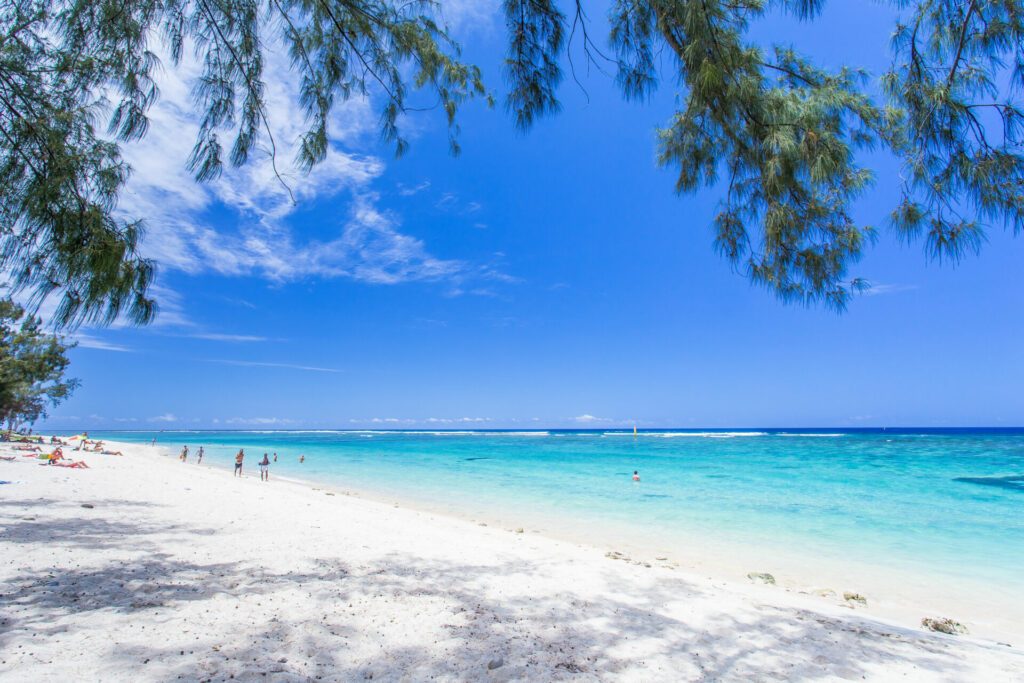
(949, 626)
(471, 459)
(855, 597)
(1013, 483)
(762, 577)
(495, 664)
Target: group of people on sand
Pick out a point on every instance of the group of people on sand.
(264, 464)
(33, 447)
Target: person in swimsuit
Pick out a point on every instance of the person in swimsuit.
(265, 468)
(200, 461)
(275, 457)
(184, 454)
(302, 458)
(238, 462)
(636, 476)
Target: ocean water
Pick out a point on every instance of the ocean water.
(937, 504)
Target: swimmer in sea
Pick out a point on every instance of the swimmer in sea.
(636, 475)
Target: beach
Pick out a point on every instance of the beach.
(144, 568)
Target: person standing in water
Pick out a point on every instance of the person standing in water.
(302, 458)
(636, 475)
(238, 462)
(265, 468)
(275, 456)
(200, 461)
(184, 454)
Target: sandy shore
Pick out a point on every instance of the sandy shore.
(184, 572)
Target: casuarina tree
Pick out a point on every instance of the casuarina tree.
(32, 367)
(779, 137)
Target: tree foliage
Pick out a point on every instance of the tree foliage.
(778, 136)
(69, 66)
(32, 366)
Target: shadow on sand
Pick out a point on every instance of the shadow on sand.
(536, 638)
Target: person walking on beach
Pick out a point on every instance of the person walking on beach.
(200, 461)
(265, 468)
(636, 475)
(238, 462)
(184, 454)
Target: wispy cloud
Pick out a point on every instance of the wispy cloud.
(260, 421)
(166, 417)
(86, 341)
(422, 421)
(216, 336)
(471, 16)
(450, 202)
(408, 191)
(261, 364)
(241, 302)
(879, 289)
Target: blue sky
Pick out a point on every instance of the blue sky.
(544, 279)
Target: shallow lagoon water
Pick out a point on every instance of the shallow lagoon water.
(944, 503)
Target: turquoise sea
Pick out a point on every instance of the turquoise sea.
(927, 502)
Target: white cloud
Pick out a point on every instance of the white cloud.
(451, 202)
(85, 341)
(877, 290)
(447, 201)
(262, 421)
(285, 366)
(216, 336)
(408, 191)
(470, 16)
(587, 419)
(166, 417)
(367, 246)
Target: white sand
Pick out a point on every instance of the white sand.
(183, 572)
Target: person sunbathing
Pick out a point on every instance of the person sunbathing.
(26, 448)
(112, 452)
(79, 464)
